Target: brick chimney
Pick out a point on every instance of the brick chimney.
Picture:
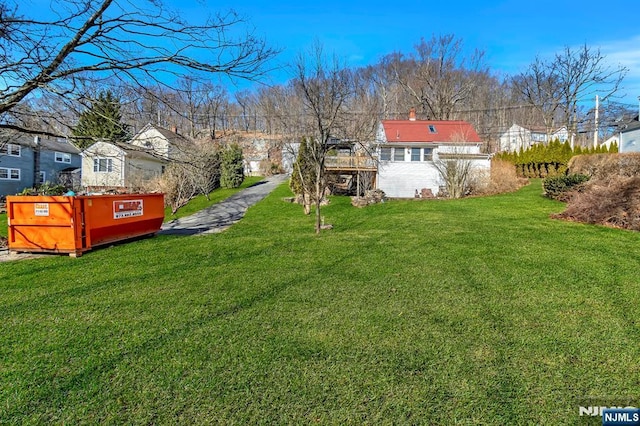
(412, 114)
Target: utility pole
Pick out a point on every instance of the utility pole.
(595, 133)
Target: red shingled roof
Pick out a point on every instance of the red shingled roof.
(418, 131)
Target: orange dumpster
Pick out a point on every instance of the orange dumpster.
(75, 224)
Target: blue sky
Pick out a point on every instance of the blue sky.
(510, 32)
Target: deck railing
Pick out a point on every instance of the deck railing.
(352, 162)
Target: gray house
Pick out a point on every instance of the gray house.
(630, 138)
(27, 161)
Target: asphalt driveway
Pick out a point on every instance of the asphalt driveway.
(222, 215)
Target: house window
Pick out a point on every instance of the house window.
(415, 154)
(428, 154)
(432, 128)
(43, 177)
(398, 154)
(9, 174)
(10, 149)
(102, 165)
(62, 157)
(385, 154)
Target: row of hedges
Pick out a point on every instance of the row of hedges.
(540, 161)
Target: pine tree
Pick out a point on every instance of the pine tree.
(232, 167)
(101, 121)
(302, 176)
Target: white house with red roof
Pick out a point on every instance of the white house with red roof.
(409, 152)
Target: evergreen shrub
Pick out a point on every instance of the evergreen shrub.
(556, 187)
(232, 167)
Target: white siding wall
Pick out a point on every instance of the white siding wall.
(289, 155)
(252, 167)
(515, 138)
(518, 137)
(401, 179)
(104, 151)
(152, 139)
(630, 141)
(140, 170)
(125, 170)
(459, 149)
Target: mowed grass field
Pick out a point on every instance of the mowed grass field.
(476, 311)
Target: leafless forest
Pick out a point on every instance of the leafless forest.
(178, 74)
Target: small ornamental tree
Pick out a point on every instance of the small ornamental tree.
(178, 185)
(232, 167)
(303, 176)
(456, 172)
(101, 121)
(206, 167)
(198, 174)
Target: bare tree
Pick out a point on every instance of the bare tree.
(455, 165)
(556, 87)
(191, 100)
(540, 87)
(440, 78)
(216, 102)
(246, 101)
(455, 172)
(273, 104)
(324, 87)
(100, 39)
(383, 78)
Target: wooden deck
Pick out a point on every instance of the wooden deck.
(350, 164)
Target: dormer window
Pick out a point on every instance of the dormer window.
(432, 128)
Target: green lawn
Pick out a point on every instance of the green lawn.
(200, 202)
(3, 225)
(475, 311)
